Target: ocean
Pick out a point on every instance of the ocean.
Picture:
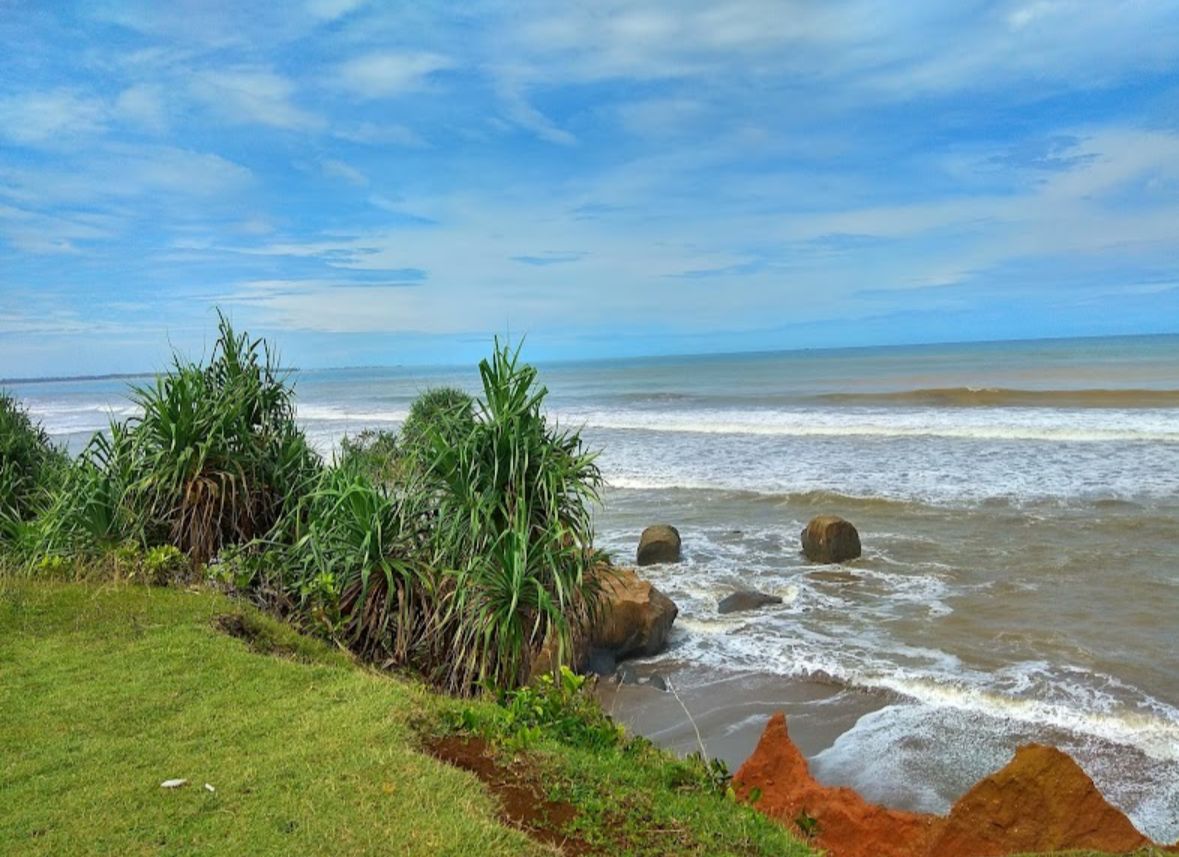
(1018, 504)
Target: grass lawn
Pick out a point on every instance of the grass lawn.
(108, 690)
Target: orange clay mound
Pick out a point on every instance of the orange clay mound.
(1041, 801)
(847, 825)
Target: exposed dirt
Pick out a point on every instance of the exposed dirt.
(1041, 801)
(518, 788)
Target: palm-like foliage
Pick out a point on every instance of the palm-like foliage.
(29, 464)
(89, 509)
(216, 451)
(514, 528)
(352, 556)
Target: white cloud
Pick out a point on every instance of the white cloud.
(376, 134)
(253, 96)
(143, 104)
(35, 118)
(378, 75)
(341, 170)
(524, 115)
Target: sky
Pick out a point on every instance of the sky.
(375, 183)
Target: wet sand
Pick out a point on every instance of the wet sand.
(731, 710)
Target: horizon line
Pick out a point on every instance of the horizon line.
(566, 361)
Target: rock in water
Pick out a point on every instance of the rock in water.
(635, 616)
(746, 600)
(829, 538)
(659, 543)
(1041, 801)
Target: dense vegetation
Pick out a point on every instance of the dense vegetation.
(29, 466)
(457, 549)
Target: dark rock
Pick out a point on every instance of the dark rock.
(659, 543)
(658, 682)
(600, 661)
(746, 600)
(829, 538)
(626, 675)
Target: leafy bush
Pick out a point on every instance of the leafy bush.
(217, 454)
(88, 512)
(560, 707)
(443, 411)
(388, 458)
(513, 530)
(352, 559)
(29, 464)
(214, 460)
(375, 453)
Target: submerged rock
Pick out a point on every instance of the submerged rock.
(656, 681)
(658, 543)
(1040, 801)
(746, 600)
(829, 538)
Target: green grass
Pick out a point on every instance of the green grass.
(108, 690)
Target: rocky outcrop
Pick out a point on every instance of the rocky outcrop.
(658, 543)
(634, 617)
(745, 600)
(829, 538)
(1040, 801)
(777, 780)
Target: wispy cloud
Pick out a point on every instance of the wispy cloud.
(253, 96)
(384, 74)
(58, 117)
(305, 163)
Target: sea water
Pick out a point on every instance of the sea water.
(1018, 505)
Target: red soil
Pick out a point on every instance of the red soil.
(1041, 801)
(518, 789)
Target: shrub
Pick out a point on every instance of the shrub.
(388, 458)
(29, 464)
(217, 455)
(513, 530)
(375, 453)
(352, 558)
(444, 411)
(88, 512)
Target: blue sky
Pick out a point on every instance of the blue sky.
(374, 183)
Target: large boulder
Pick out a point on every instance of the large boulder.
(634, 617)
(745, 600)
(659, 543)
(829, 538)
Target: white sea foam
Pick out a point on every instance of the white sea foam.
(1036, 424)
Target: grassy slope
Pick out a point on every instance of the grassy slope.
(105, 691)
(109, 691)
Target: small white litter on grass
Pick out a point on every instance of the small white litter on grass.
(209, 788)
(173, 784)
